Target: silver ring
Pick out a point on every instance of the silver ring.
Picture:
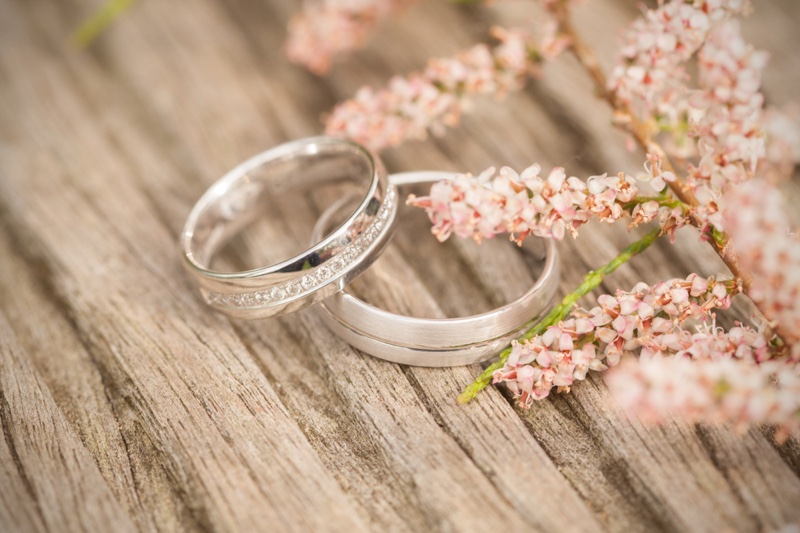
(321, 270)
(437, 342)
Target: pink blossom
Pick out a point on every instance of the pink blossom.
(782, 130)
(504, 201)
(536, 366)
(709, 342)
(716, 384)
(552, 43)
(757, 222)
(726, 116)
(650, 75)
(654, 174)
(646, 318)
(723, 116)
(527, 203)
(435, 98)
(327, 28)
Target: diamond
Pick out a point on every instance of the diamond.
(324, 273)
(293, 288)
(307, 282)
(277, 293)
(337, 264)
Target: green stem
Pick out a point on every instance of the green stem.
(99, 21)
(719, 237)
(560, 312)
(663, 200)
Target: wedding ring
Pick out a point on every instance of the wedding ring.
(324, 268)
(437, 342)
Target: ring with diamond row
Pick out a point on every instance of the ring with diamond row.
(436, 342)
(321, 270)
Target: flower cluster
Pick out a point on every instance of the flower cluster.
(433, 99)
(527, 203)
(722, 117)
(715, 380)
(725, 116)
(782, 151)
(331, 27)
(759, 228)
(647, 318)
(650, 76)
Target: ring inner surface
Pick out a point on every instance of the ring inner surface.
(278, 201)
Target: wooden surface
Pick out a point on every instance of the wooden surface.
(127, 405)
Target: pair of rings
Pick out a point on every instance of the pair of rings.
(321, 273)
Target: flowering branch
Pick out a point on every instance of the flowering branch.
(757, 221)
(435, 98)
(709, 384)
(590, 282)
(646, 318)
(642, 132)
(524, 204)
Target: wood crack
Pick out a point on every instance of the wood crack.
(571, 409)
(708, 445)
(5, 420)
(46, 285)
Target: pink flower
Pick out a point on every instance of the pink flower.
(648, 318)
(722, 117)
(653, 173)
(650, 75)
(782, 130)
(726, 116)
(527, 203)
(328, 28)
(718, 383)
(435, 98)
(757, 222)
(552, 43)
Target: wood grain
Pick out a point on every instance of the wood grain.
(127, 405)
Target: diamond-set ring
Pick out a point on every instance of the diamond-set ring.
(314, 274)
(313, 280)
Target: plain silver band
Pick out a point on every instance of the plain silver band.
(438, 342)
(327, 266)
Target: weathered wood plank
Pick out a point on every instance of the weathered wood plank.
(188, 420)
(17, 508)
(222, 433)
(104, 422)
(55, 481)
